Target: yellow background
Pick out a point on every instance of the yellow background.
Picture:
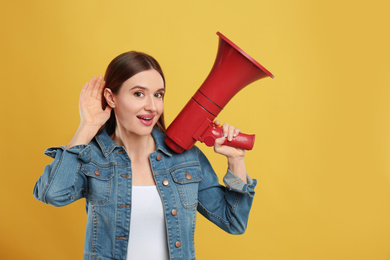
(322, 125)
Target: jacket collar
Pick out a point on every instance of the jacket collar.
(107, 145)
(159, 138)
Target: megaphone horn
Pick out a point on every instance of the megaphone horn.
(233, 70)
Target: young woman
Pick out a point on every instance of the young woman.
(141, 197)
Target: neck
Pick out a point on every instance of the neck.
(137, 146)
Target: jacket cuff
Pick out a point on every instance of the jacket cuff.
(83, 151)
(233, 182)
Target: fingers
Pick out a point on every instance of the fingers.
(101, 89)
(88, 87)
(236, 131)
(229, 131)
(92, 83)
(96, 86)
(83, 90)
(219, 142)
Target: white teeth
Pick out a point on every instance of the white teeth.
(145, 118)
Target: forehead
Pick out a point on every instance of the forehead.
(148, 79)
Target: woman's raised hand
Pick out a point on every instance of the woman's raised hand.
(90, 104)
(92, 115)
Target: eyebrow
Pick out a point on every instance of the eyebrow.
(144, 88)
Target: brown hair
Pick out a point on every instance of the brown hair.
(121, 69)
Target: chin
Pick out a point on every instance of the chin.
(145, 130)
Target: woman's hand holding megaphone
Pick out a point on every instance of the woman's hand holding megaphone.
(235, 156)
(231, 136)
(221, 144)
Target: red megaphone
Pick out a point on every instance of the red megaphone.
(233, 69)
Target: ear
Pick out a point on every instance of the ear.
(109, 97)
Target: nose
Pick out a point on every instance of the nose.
(150, 104)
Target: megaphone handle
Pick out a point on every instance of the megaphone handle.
(241, 141)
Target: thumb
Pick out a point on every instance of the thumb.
(219, 141)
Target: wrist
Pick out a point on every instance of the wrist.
(88, 130)
(84, 134)
(236, 159)
(89, 126)
(237, 166)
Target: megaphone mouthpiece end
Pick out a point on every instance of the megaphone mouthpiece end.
(174, 147)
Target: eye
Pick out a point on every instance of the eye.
(159, 95)
(138, 94)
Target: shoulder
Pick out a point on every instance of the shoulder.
(187, 159)
(194, 156)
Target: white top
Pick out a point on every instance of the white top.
(148, 236)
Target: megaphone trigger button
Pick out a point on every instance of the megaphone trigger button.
(209, 140)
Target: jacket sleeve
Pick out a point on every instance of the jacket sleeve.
(62, 181)
(226, 206)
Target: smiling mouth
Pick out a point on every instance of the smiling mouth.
(145, 118)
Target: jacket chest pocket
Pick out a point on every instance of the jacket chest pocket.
(187, 182)
(99, 182)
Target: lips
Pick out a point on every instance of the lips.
(146, 119)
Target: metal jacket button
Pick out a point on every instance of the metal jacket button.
(188, 176)
(97, 171)
(178, 244)
(165, 182)
(174, 212)
(158, 157)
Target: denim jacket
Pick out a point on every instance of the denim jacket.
(101, 172)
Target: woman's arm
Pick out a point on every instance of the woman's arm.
(226, 206)
(62, 181)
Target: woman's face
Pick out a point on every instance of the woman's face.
(139, 102)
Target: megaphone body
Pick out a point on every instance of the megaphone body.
(233, 70)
